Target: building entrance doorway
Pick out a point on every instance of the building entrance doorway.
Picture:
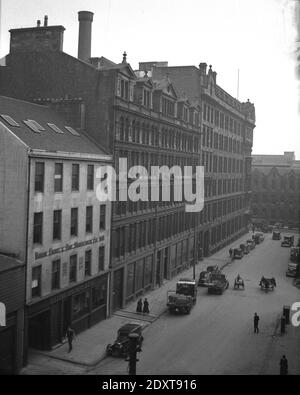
(39, 331)
(118, 290)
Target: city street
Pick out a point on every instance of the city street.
(217, 337)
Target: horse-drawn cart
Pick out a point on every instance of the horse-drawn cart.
(239, 283)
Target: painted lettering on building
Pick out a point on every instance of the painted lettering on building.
(68, 247)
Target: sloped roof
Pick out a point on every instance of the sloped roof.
(166, 86)
(47, 140)
(8, 263)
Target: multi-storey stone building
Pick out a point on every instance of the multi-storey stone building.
(276, 189)
(150, 119)
(52, 220)
(227, 138)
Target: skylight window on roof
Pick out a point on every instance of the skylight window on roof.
(9, 120)
(55, 128)
(72, 131)
(37, 125)
(32, 126)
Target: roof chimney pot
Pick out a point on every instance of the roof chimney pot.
(85, 19)
(38, 23)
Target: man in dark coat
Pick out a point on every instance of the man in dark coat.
(70, 336)
(146, 307)
(139, 306)
(283, 366)
(255, 321)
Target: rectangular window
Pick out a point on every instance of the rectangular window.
(73, 268)
(101, 261)
(89, 219)
(39, 177)
(58, 177)
(102, 216)
(74, 221)
(57, 225)
(90, 178)
(56, 274)
(75, 177)
(88, 263)
(36, 282)
(38, 228)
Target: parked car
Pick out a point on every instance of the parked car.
(218, 284)
(292, 269)
(120, 347)
(276, 235)
(238, 253)
(204, 279)
(261, 236)
(288, 241)
(251, 244)
(256, 238)
(245, 248)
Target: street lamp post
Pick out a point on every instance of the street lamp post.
(133, 348)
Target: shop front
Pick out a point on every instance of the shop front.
(81, 307)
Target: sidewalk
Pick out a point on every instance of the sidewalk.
(89, 347)
(287, 344)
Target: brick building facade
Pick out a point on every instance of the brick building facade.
(276, 189)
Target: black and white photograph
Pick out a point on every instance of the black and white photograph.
(149, 190)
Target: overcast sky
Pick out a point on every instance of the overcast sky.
(254, 36)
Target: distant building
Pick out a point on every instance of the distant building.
(52, 220)
(12, 300)
(276, 189)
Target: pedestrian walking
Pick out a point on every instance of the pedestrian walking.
(256, 320)
(146, 307)
(284, 366)
(230, 252)
(139, 306)
(70, 334)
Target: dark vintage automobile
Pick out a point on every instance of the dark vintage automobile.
(276, 235)
(238, 253)
(204, 279)
(120, 347)
(288, 241)
(245, 248)
(213, 268)
(218, 284)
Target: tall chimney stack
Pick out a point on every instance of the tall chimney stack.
(85, 19)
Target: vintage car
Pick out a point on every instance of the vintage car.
(251, 244)
(120, 347)
(185, 296)
(276, 235)
(288, 241)
(261, 236)
(218, 284)
(292, 269)
(238, 253)
(204, 279)
(245, 248)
